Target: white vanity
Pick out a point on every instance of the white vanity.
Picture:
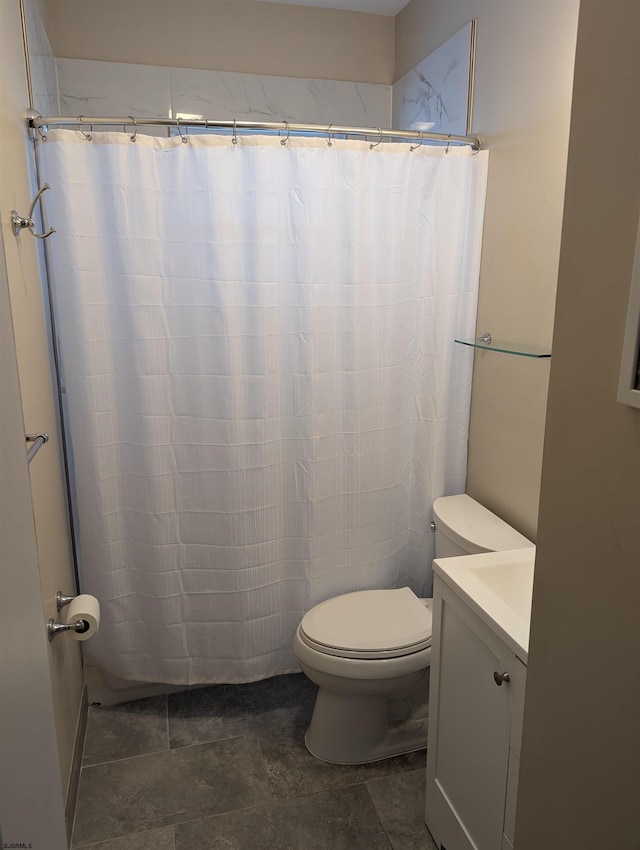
(481, 615)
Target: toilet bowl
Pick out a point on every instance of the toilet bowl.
(369, 651)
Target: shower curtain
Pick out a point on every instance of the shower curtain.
(262, 388)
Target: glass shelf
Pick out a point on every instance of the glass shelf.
(507, 347)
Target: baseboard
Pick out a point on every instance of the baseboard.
(76, 764)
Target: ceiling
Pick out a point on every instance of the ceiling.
(376, 7)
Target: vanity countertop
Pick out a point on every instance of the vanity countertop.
(498, 587)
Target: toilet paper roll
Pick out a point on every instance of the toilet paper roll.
(87, 609)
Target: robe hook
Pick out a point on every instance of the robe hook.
(19, 222)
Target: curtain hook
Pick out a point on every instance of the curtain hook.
(234, 140)
(328, 132)
(283, 142)
(184, 138)
(135, 132)
(372, 146)
(446, 150)
(419, 145)
(85, 134)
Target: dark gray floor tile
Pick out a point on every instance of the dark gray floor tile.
(137, 794)
(333, 820)
(129, 729)
(152, 839)
(399, 802)
(292, 771)
(224, 711)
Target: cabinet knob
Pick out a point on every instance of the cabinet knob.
(499, 678)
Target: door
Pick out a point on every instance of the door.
(31, 795)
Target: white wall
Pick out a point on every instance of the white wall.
(524, 72)
(580, 764)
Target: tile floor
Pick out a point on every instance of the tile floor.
(226, 767)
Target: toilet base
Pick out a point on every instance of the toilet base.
(349, 728)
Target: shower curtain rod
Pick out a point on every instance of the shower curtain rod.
(42, 123)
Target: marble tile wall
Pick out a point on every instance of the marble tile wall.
(433, 95)
(109, 88)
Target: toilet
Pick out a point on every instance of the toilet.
(369, 652)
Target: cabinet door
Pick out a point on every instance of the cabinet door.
(468, 753)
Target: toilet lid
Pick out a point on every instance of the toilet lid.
(369, 624)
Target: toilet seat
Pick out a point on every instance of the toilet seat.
(368, 624)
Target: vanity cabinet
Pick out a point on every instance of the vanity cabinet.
(475, 727)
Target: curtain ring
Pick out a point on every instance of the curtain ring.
(135, 132)
(446, 150)
(80, 130)
(234, 140)
(419, 145)
(184, 138)
(283, 142)
(329, 142)
(372, 146)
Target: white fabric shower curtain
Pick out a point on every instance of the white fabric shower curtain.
(263, 392)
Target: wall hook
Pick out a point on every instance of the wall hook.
(18, 222)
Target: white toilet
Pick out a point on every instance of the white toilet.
(369, 652)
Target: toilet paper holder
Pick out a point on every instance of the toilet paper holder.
(62, 600)
(54, 628)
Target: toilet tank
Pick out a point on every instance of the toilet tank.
(465, 527)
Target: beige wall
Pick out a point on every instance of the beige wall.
(580, 768)
(34, 368)
(524, 68)
(227, 35)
